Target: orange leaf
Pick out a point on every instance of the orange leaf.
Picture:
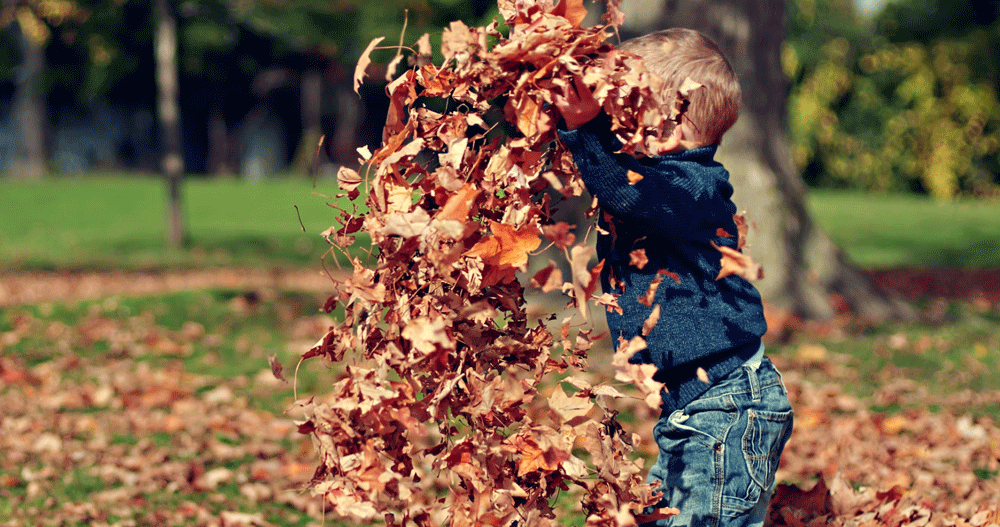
(507, 246)
(363, 62)
(651, 321)
(633, 177)
(539, 453)
(571, 10)
(742, 228)
(737, 263)
(460, 205)
(638, 259)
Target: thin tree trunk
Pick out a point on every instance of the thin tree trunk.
(311, 101)
(29, 107)
(802, 266)
(219, 158)
(168, 109)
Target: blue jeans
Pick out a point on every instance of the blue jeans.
(718, 455)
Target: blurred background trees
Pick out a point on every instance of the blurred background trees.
(900, 96)
(904, 99)
(259, 81)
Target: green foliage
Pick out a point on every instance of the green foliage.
(868, 113)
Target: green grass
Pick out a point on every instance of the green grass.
(108, 222)
(118, 223)
(232, 342)
(958, 354)
(895, 230)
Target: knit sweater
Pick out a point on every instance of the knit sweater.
(679, 207)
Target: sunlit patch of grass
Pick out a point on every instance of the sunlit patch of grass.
(955, 351)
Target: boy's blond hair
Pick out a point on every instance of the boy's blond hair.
(677, 54)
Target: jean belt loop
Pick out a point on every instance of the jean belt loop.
(754, 382)
(752, 366)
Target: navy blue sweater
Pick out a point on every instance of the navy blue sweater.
(674, 212)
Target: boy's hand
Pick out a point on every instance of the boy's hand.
(577, 105)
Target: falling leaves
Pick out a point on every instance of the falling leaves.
(735, 261)
(444, 363)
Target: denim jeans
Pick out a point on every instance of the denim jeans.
(718, 455)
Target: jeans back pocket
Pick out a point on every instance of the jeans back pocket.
(765, 438)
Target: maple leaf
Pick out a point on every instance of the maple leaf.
(539, 451)
(426, 334)
(613, 16)
(571, 410)
(507, 246)
(638, 259)
(651, 320)
(363, 62)
(585, 280)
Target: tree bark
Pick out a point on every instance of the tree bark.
(168, 110)
(803, 267)
(29, 107)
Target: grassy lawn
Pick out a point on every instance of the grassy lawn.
(884, 231)
(119, 223)
(163, 410)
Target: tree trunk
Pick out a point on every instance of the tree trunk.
(802, 266)
(311, 106)
(168, 110)
(29, 107)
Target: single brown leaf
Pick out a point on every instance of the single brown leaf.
(548, 279)
(638, 259)
(363, 62)
(277, 368)
(460, 205)
(736, 263)
(560, 234)
(651, 320)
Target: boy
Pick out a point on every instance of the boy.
(725, 414)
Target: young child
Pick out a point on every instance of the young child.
(725, 413)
